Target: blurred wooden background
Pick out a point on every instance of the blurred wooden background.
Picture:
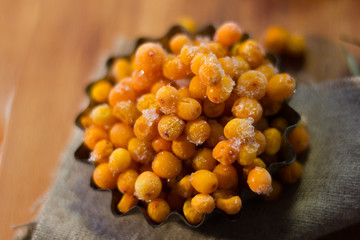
(49, 50)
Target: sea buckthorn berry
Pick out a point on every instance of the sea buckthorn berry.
(239, 128)
(234, 66)
(261, 141)
(149, 57)
(101, 115)
(142, 81)
(159, 144)
(141, 150)
(166, 165)
(291, 173)
(228, 34)
(259, 180)
(299, 139)
(145, 129)
(226, 175)
(268, 69)
(119, 160)
(230, 205)
(146, 102)
(184, 188)
(296, 45)
(159, 84)
(188, 23)
(85, 121)
(184, 92)
(273, 141)
(277, 188)
(204, 160)
(187, 54)
(126, 181)
(247, 154)
(197, 61)
(252, 84)
(158, 210)
(127, 202)
(102, 151)
(247, 107)
(188, 109)
(276, 39)
(211, 72)
(203, 203)
(126, 112)
(93, 135)
(204, 181)
(279, 123)
(256, 163)
(167, 98)
(121, 68)
(235, 49)
(174, 69)
(178, 41)
(100, 91)
(197, 131)
(182, 148)
(120, 134)
(148, 186)
(197, 88)
(217, 49)
(213, 110)
(103, 177)
(252, 52)
(222, 91)
(270, 108)
(216, 133)
(121, 92)
(223, 193)
(175, 201)
(170, 127)
(190, 213)
(225, 152)
(280, 87)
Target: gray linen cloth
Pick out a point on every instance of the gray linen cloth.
(326, 199)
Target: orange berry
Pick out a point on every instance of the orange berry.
(204, 160)
(216, 134)
(222, 91)
(166, 165)
(174, 69)
(120, 68)
(188, 109)
(204, 181)
(197, 88)
(252, 84)
(178, 41)
(217, 49)
(119, 160)
(228, 34)
(149, 57)
(225, 152)
(268, 69)
(276, 39)
(142, 81)
(291, 173)
(145, 129)
(182, 148)
(147, 186)
(213, 110)
(239, 128)
(102, 151)
(121, 92)
(203, 203)
(159, 144)
(230, 205)
(140, 150)
(247, 107)
(197, 61)
(93, 135)
(167, 98)
(226, 175)
(197, 131)
(126, 181)
(170, 127)
(184, 188)
(261, 141)
(234, 66)
(211, 72)
(103, 177)
(252, 52)
(126, 112)
(127, 202)
(259, 180)
(299, 139)
(280, 87)
(120, 134)
(190, 213)
(158, 210)
(100, 90)
(273, 141)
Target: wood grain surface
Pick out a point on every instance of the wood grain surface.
(49, 50)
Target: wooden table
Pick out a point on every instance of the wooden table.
(49, 50)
